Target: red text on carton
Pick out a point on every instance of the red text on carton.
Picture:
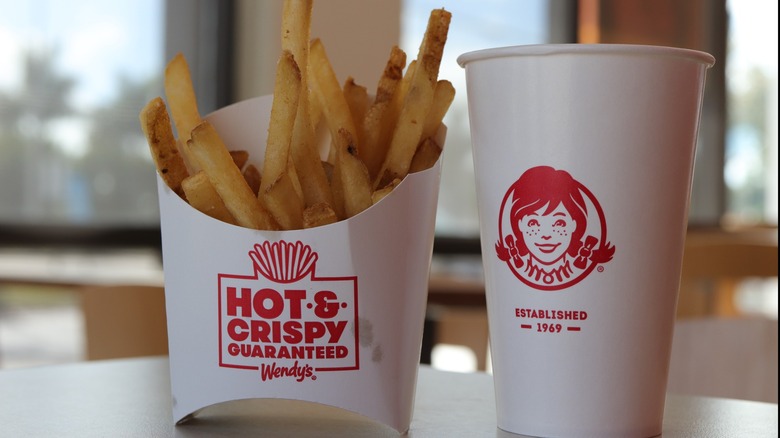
(285, 321)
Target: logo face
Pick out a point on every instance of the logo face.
(285, 321)
(552, 230)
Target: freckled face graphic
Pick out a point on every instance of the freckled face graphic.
(547, 236)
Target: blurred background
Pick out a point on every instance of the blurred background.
(78, 200)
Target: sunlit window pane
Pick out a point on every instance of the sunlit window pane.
(751, 141)
(74, 76)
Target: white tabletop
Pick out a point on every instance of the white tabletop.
(131, 398)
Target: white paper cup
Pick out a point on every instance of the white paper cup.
(331, 315)
(583, 158)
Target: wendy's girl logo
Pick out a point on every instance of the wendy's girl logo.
(285, 321)
(552, 230)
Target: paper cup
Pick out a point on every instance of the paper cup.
(332, 315)
(583, 159)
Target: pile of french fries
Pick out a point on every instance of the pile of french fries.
(374, 141)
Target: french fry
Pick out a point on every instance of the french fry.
(337, 188)
(379, 194)
(277, 190)
(180, 94)
(352, 174)
(425, 157)
(156, 125)
(315, 114)
(318, 214)
(428, 151)
(201, 195)
(408, 129)
(397, 104)
(293, 173)
(325, 87)
(442, 99)
(306, 158)
(357, 101)
(252, 177)
(373, 149)
(207, 147)
(314, 187)
(283, 111)
(296, 25)
(282, 200)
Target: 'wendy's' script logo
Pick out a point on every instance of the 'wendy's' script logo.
(552, 230)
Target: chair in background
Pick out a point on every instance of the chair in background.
(714, 264)
(725, 357)
(124, 321)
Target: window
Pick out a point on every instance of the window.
(751, 137)
(75, 76)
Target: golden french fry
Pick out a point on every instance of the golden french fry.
(389, 120)
(394, 110)
(357, 101)
(372, 147)
(180, 94)
(442, 99)
(201, 195)
(352, 174)
(429, 150)
(240, 158)
(293, 175)
(408, 130)
(379, 194)
(283, 201)
(325, 87)
(311, 180)
(252, 177)
(207, 147)
(318, 214)
(426, 155)
(156, 125)
(315, 114)
(296, 25)
(337, 188)
(283, 110)
(277, 189)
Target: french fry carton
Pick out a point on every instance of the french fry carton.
(332, 315)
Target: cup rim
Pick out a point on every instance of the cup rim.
(579, 49)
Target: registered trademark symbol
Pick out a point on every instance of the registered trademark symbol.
(314, 377)
(600, 269)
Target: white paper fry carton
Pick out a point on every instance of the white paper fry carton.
(332, 315)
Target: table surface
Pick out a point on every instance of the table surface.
(131, 397)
